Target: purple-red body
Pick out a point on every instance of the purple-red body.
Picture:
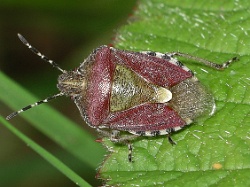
(158, 91)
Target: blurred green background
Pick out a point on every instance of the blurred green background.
(65, 31)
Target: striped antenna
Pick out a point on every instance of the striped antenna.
(33, 105)
(43, 57)
(34, 50)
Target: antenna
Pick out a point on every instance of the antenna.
(43, 57)
(33, 105)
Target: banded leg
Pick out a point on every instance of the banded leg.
(130, 150)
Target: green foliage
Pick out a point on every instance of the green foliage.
(46, 155)
(214, 150)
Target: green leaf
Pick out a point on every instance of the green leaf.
(214, 151)
(46, 155)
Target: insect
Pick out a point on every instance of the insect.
(141, 93)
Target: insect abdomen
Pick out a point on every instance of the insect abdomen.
(191, 99)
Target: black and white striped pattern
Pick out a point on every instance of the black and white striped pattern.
(43, 57)
(33, 105)
(156, 132)
(169, 57)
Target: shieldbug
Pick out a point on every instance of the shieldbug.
(142, 93)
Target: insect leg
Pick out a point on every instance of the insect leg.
(171, 141)
(204, 61)
(117, 138)
(130, 150)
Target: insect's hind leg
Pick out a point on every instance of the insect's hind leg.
(204, 61)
